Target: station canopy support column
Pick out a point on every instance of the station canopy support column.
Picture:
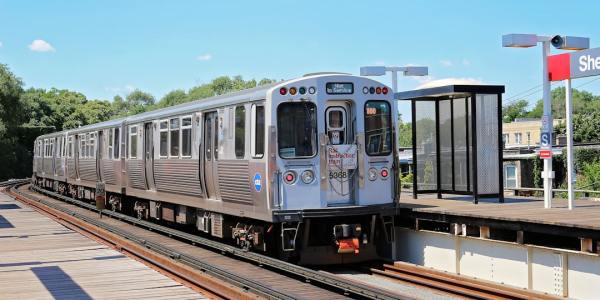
(457, 140)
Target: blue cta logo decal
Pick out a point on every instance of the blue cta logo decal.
(257, 182)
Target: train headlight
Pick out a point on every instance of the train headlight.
(307, 176)
(372, 174)
(289, 177)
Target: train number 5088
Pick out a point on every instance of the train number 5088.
(338, 174)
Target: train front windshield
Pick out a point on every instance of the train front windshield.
(378, 128)
(297, 129)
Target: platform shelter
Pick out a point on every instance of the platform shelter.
(457, 140)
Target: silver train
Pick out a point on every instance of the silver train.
(303, 169)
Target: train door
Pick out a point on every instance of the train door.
(340, 152)
(149, 155)
(211, 144)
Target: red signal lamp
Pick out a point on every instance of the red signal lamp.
(282, 91)
(385, 173)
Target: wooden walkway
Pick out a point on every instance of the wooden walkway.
(585, 215)
(41, 259)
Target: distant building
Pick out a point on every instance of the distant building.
(523, 132)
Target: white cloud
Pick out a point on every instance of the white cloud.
(446, 63)
(0, 44)
(450, 81)
(204, 57)
(41, 46)
(466, 62)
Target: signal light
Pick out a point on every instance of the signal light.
(384, 173)
(311, 90)
(293, 91)
(372, 90)
(378, 90)
(384, 90)
(282, 91)
(365, 90)
(289, 177)
(302, 90)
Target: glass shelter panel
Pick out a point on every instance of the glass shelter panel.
(487, 143)
(460, 144)
(445, 144)
(426, 145)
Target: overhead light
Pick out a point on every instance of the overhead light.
(518, 40)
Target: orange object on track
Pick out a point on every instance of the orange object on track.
(348, 246)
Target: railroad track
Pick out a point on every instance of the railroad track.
(454, 284)
(221, 273)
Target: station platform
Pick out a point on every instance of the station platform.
(516, 213)
(41, 259)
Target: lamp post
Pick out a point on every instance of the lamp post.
(406, 71)
(559, 42)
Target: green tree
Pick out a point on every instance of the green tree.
(172, 98)
(514, 110)
(404, 133)
(583, 102)
(11, 88)
(91, 112)
(137, 102)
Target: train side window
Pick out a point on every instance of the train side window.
(207, 139)
(216, 138)
(116, 144)
(240, 131)
(257, 130)
(88, 143)
(133, 141)
(111, 133)
(174, 134)
(92, 146)
(81, 145)
(164, 139)
(186, 137)
(70, 147)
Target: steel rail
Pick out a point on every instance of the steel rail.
(330, 281)
(456, 284)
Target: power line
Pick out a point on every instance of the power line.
(520, 95)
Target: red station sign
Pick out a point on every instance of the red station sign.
(545, 153)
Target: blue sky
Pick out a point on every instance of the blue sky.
(103, 48)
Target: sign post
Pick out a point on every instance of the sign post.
(569, 113)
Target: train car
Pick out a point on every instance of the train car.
(304, 168)
(49, 159)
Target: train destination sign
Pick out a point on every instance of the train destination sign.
(339, 88)
(574, 64)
